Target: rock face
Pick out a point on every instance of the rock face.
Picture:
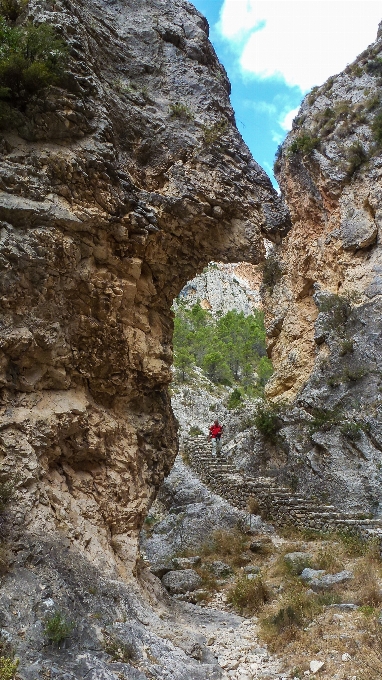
(222, 288)
(114, 193)
(324, 302)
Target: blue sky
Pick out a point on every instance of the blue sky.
(275, 51)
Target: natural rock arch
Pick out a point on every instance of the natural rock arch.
(121, 198)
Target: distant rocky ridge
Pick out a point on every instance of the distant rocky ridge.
(224, 287)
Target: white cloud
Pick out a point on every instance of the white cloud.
(277, 137)
(263, 107)
(286, 119)
(302, 42)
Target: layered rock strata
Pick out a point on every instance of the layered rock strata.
(114, 192)
(323, 296)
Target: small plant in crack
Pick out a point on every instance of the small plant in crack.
(57, 628)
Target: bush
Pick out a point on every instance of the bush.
(57, 628)
(214, 132)
(374, 67)
(324, 419)
(337, 308)
(278, 158)
(372, 103)
(304, 143)
(235, 399)
(179, 110)
(248, 595)
(31, 58)
(118, 650)
(351, 430)
(272, 272)
(8, 668)
(267, 420)
(377, 128)
(226, 545)
(194, 431)
(356, 156)
(347, 346)
(11, 9)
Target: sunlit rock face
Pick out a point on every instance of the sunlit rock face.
(325, 310)
(114, 192)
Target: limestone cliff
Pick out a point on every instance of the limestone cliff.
(323, 297)
(115, 191)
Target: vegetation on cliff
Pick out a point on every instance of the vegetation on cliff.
(230, 349)
(31, 58)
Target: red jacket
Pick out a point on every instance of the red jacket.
(215, 430)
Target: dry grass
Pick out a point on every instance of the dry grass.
(367, 585)
(329, 557)
(228, 546)
(249, 595)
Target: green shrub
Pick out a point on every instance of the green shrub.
(372, 103)
(267, 420)
(278, 157)
(179, 110)
(31, 58)
(312, 96)
(272, 272)
(248, 595)
(304, 143)
(8, 668)
(353, 374)
(11, 9)
(57, 628)
(377, 128)
(337, 308)
(212, 133)
(324, 419)
(287, 617)
(235, 399)
(356, 156)
(118, 650)
(346, 346)
(195, 431)
(351, 430)
(374, 67)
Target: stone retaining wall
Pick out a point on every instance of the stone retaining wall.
(275, 503)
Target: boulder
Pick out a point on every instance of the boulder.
(310, 574)
(330, 580)
(182, 581)
(316, 666)
(219, 568)
(186, 562)
(297, 561)
(251, 569)
(260, 545)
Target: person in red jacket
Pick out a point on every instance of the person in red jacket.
(214, 435)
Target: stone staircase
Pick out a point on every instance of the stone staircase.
(277, 503)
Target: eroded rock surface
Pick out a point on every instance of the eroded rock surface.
(324, 303)
(114, 193)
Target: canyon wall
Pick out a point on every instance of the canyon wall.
(115, 191)
(323, 296)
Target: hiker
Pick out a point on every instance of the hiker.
(214, 436)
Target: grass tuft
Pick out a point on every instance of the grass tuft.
(249, 595)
